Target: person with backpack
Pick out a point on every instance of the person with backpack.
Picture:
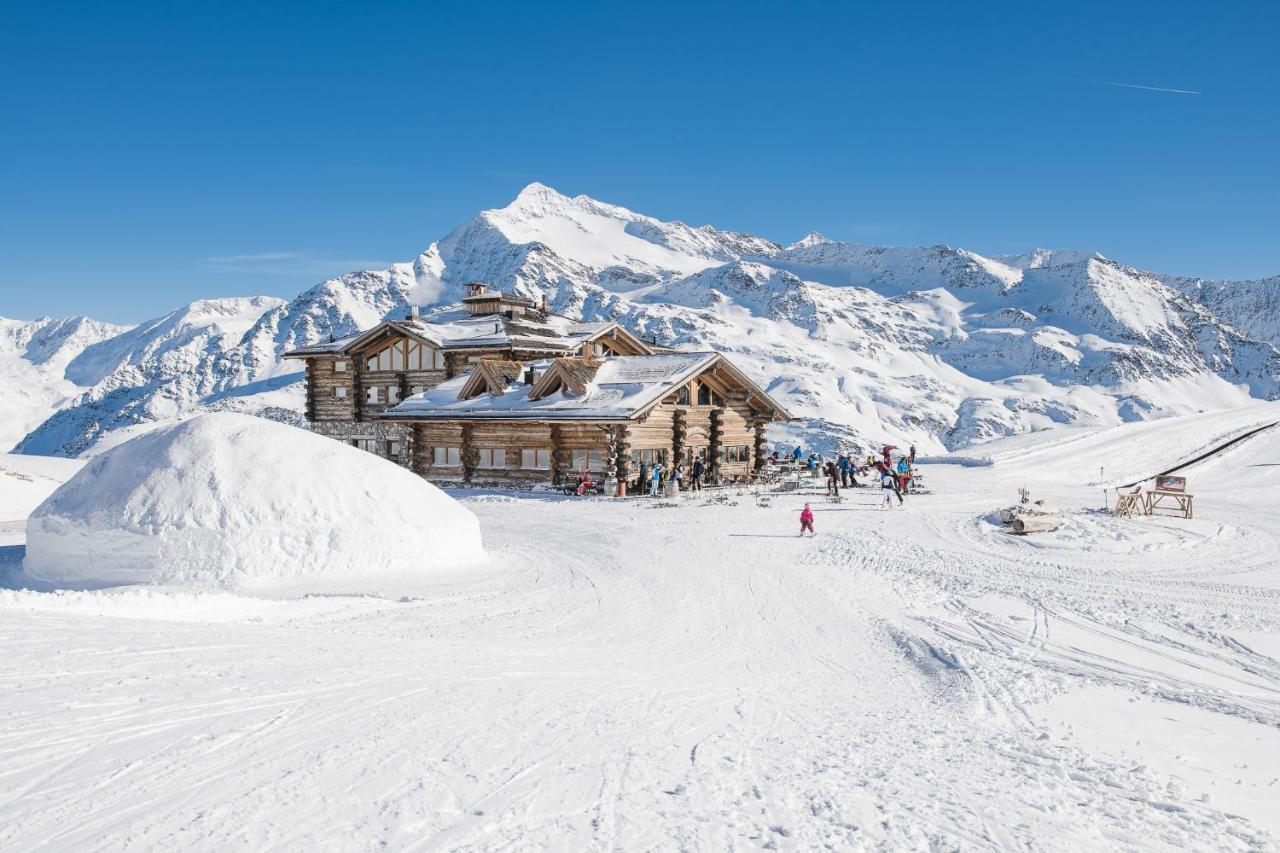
(806, 521)
(833, 480)
(698, 470)
(889, 488)
(642, 479)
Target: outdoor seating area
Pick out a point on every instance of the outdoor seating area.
(1168, 497)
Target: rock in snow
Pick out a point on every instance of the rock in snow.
(232, 500)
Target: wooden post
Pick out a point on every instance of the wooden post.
(713, 444)
(759, 462)
(357, 388)
(679, 434)
(311, 389)
(468, 454)
(622, 457)
(561, 456)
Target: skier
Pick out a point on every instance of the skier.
(889, 488)
(904, 473)
(911, 458)
(806, 521)
(797, 454)
(842, 462)
(698, 470)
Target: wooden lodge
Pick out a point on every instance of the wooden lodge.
(505, 393)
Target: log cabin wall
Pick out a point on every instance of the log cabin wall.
(324, 385)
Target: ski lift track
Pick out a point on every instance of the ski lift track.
(1214, 451)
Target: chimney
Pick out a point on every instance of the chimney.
(528, 375)
(413, 313)
(476, 288)
(542, 304)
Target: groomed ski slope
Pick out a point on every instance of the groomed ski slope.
(625, 676)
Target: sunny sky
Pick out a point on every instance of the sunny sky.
(156, 153)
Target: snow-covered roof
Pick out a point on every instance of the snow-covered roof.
(622, 387)
(533, 330)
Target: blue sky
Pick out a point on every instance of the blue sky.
(152, 154)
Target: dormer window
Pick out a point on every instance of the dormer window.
(682, 396)
(704, 395)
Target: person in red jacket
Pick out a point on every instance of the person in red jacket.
(806, 521)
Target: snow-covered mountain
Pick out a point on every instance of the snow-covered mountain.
(937, 346)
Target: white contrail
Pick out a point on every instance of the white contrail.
(1144, 88)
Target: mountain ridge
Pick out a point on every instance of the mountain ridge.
(934, 345)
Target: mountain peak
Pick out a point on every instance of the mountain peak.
(539, 194)
(813, 238)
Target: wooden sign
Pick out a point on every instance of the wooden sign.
(1166, 483)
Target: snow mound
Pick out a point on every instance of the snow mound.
(232, 501)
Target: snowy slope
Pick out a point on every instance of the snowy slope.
(912, 679)
(938, 346)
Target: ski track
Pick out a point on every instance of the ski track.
(639, 678)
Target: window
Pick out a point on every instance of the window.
(584, 460)
(339, 366)
(474, 359)
(417, 389)
(393, 393)
(393, 450)
(444, 457)
(369, 444)
(437, 360)
(372, 394)
(647, 457)
(340, 393)
(535, 457)
(682, 396)
(704, 395)
(397, 357)
(736, 453)
(493, 457)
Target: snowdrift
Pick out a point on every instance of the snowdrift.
(227, 500)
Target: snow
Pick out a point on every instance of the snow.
(229, 501)
(622, 386)
(943, 347)
(629, 675)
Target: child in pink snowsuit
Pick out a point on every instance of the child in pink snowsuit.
(806, 520)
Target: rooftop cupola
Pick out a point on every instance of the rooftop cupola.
(480, 300)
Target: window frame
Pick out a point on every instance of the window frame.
(451, 455)
(496, 458)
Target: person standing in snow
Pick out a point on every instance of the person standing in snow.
(911, 457)
(889, 488)
(677, 477)
(642, 480)
(656, 479)
(833, 479)
(698, 470)
(797, 454)
(904, 473)
(806, 521)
